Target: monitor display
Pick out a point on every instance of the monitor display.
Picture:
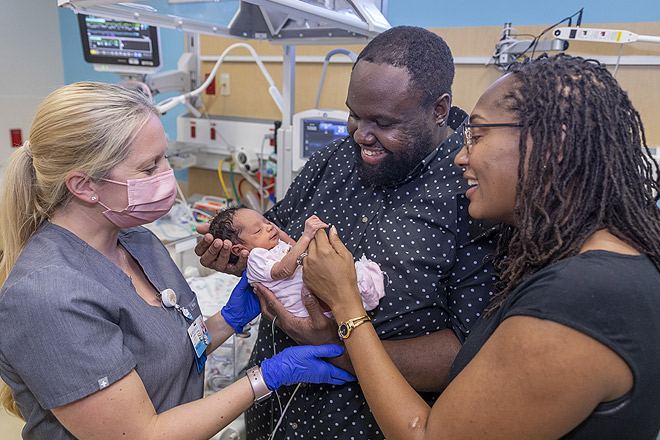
(119, 46)
(319, 133)
(312, 130)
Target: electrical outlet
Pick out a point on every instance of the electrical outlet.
(224, 84)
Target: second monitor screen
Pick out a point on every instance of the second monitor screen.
(318, 133)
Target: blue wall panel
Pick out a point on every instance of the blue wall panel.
(456, 13)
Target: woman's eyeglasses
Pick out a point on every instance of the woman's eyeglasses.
(467, 131)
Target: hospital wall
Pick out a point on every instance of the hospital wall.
(30, 64)
(41, 50)
(642, 82)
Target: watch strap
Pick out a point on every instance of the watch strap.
(258, 384)
(346, 327)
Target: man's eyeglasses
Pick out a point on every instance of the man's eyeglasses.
(467, 131)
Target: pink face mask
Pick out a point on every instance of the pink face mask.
(149, 199)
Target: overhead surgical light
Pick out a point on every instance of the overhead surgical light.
(285, 22)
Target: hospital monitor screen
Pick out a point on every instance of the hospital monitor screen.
(318, 133)
(119, 46)
(313, 130)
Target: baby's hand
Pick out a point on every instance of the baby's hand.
(313, 224)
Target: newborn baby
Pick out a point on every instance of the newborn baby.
(273, 257)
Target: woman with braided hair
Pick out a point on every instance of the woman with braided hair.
(570, 346)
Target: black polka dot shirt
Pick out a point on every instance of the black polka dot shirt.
(436, 261)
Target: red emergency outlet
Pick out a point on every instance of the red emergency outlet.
(210, 90)
(16, 137)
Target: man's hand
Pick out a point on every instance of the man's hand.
(316, 329)
(215, 253)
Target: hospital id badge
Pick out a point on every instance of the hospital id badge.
(200, 338)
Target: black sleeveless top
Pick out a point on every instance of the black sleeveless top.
(613, 298)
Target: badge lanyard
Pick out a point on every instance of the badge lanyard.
(197, 331)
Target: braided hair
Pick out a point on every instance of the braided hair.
(588, 168)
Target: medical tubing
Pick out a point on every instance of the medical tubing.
(648, 39)
(160, 223)
(261, 175)
(184, 202)
(283, 412)
(244, 172)
(240, 182)
(222, 180)
(170, 103)
(231, 179)
(618, 60)
(279, 402)
(329, 55)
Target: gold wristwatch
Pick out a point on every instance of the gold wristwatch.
(346, 327)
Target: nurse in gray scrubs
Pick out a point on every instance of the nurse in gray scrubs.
(101, 335)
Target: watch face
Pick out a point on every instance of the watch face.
(343, 330)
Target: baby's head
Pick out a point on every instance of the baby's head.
(245, 228)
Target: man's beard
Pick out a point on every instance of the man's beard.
(395, 167)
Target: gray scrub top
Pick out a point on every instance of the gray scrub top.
(72, 324)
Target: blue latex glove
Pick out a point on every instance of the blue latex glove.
(301, 364)
(242, 307)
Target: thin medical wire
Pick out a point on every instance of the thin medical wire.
(282, 412)
(618, 60)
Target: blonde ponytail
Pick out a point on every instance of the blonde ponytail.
(86, 127)
(20, 215)
(8, 402)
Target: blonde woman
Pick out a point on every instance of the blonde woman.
(102, 337)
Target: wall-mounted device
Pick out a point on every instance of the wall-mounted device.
(313, 130)
(120, 46)
(509, 49)
(602, 35)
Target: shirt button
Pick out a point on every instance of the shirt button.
(364, 219)
(294, 425)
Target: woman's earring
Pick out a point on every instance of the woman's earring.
(93, 198)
